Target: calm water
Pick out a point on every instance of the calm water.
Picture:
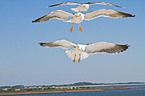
(124, 92)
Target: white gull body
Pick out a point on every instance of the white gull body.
(81, 52)
(79, 17)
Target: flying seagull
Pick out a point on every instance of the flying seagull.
(79, 17)
(83, 6)
(81, 52)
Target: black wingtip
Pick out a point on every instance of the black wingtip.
(41, 44)
(120, 6)
(37, 20)
(128, 45)
(51, 6)
(126, 14)
(125, 47)
(133, 15)
(130, 15)
(33, 21)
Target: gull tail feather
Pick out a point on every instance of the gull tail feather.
(71, 55)
(84, 55)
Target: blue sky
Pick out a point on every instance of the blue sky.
(23, 61)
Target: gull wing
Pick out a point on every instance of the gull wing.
(60, 44)
(58, 14)
(106, 13)
(103, 3)
(105, 47)
(65, 3)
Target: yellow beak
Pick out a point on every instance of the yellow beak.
(77, 15)
(79, 49)
(86, 7)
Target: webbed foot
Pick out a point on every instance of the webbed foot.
(71, 29)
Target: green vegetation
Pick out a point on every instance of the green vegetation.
(89, 83)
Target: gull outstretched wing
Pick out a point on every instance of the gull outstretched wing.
(103, 3)
(105, 47)
(65, 3)
(60, 44)
(58, 14)
(106, 13)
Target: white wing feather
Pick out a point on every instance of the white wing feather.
(89, 3)
(106, 13)
(60, 44)
(65, 3)
(104, 47)
(58, 14)
(103, 3)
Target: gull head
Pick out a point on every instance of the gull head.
(81, 47)
(80, 15)
(86, 6)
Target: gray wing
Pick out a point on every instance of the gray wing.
(65, 3)
(58, 14)
(103, 3)
(60, 44)
(106, 13)
(104, 47)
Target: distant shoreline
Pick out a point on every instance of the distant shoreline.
(46, 92)
(69, 91)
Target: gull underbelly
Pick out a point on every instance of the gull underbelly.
(77, 55)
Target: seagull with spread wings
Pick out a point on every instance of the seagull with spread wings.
(79, 17)
(81, 52)
(83, 6)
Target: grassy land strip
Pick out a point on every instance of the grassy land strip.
(65, 90)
